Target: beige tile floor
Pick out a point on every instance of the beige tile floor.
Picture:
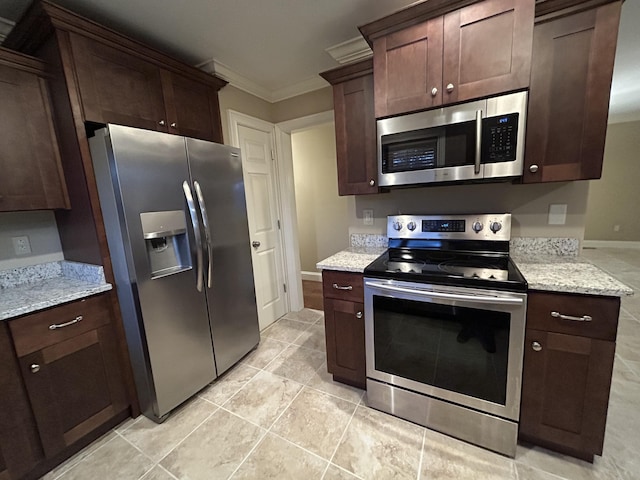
(278, 414)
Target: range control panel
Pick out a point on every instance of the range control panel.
(455, 227)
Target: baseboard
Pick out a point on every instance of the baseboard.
(609, 244)
(311, 276)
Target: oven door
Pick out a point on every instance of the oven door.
(461, 345)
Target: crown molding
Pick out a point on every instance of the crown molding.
(350, 51)
(243, 83)
(5, 27)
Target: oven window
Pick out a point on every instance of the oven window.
(459, 349)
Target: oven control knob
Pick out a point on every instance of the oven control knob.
(495, 227)
(411, 226)
(477, 226)
(397, 225)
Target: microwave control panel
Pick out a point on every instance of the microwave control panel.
(499, 138)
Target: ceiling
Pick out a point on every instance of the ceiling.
(276, 48)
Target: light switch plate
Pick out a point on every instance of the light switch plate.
(557, 214)
(367, 216)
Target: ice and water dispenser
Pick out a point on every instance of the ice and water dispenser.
(165, 235)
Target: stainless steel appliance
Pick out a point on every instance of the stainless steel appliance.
(444, 327)
(175, 214)
(473, 141)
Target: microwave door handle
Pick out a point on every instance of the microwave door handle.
(478, 141)
(449, 296)
(196, 232)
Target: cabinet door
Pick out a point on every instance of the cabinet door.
(356, 137)
(565, 391)
(74, 387)
(116, 87)
(20, 449)
(569, 96)
(487, 49)
(192, 107)
(344, 327)
(407, 68)
(32, 177)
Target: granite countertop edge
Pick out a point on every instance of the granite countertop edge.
(551, 273)
(58, 285)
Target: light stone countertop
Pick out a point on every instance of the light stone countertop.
(568, 274)
(29, 289)
(554, 273)
(353, 259)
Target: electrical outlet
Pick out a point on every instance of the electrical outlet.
(367, 216)
(21, 245)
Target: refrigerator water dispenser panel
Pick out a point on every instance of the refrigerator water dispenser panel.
(165, 235)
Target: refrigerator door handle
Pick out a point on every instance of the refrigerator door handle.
(196, 231)
(207, 231)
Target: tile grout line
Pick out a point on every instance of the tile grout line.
(424, 439)
(67, 470)
(265, 434)
(335, 450)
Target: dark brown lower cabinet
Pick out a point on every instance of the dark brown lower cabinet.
(71, 372)
(344, 326)
(567, 377)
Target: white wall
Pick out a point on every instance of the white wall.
(40, 227)
(323, 216)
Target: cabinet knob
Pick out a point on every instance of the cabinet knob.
(162, 123)
(372, 182)
(536, 346)
(359, 315)
(533, 168)
(434, 91)
(174, 125)
(35, 368)
(450, 87)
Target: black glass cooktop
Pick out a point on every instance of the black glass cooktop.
(445, 267)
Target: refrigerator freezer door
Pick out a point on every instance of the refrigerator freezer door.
(217, 170)
(165, 316)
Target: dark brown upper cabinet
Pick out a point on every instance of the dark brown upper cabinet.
(117, 86)
(32, 176)
(572, 66)
(480, 50)
(355, 127)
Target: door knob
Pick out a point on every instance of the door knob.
(450, 87)
(536, 346)
(35, 368)
(372, 182)
(359, 315)
(533, 168)
(174, 125)
(162, 123)
(434, 91)
(255, 244)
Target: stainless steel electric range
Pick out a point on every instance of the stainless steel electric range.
(445, 315)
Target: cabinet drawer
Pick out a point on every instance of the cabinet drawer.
(343, 286)
(543, 309)
(33, 332)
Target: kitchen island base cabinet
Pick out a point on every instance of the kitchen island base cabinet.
(344, 327)
(568, 363)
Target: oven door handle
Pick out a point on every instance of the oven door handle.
(450, 296)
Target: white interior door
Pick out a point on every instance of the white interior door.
(259, 173)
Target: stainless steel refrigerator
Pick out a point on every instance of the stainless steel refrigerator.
(175, 214)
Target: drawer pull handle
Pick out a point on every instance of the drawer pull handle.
(340, 287)
(584, 318)
(35, 368)
(66, 324)
(359, 315)
(536, 346)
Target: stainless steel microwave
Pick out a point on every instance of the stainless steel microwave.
(478, 140)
